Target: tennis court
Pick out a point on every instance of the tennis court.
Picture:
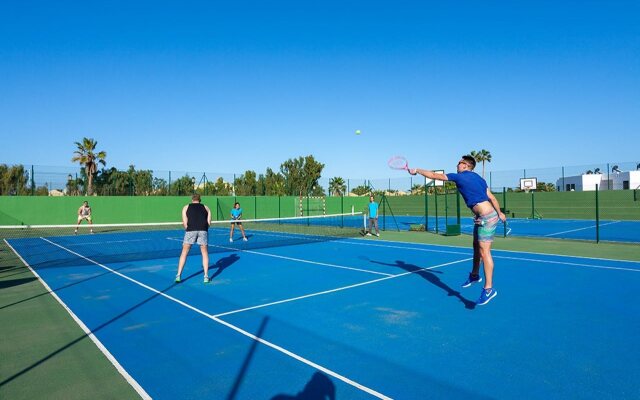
(301, 315)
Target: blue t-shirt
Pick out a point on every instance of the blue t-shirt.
(236, 212)
(471, 186)
(373, 209)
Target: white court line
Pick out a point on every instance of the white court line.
(235, 328)
(295, 259)
(108, 242)
(506, 257)
(136, 386)
(340, 289)
(581, 229)
(568, 263)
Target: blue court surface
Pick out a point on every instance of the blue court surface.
(346, 318)
(576, 229)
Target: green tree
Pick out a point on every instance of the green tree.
(141, 180)
(481, 156)
(545, 187)
(159, 187)
(261, 188)
(362, 190)
(417, 189)
(274, 183)
(182, 186)
(222, 188)
(337, 186)
(246, 184)
(42, 190)
(87, 156)
(301, 175)
(13, 180)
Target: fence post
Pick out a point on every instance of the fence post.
(33, 183)
(342, 211)
(457, 206)
(436, 200)
(504, 198)
(597, 216)
(446, 208)
(169, 187)
(564, 187)
(608, 178)
(426, 209)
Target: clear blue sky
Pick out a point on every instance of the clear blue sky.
(225, 88)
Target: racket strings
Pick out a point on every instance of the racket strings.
(398, 162)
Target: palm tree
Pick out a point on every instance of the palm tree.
(88, 158)
(481, 156)
(337, 186)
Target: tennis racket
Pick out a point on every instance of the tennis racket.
(398, 162)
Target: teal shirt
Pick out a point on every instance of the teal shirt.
(236, 212)
(373, 210)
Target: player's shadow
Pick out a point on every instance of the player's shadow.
(223, 263)
(319, 387)
(431, 277)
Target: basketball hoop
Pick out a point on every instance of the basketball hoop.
(528, 184)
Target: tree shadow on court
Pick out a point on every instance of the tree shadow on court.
(431, 277)
(58, 289)
(319, 387)
(95, 330)
(4, 284)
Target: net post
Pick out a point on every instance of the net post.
(597, 216)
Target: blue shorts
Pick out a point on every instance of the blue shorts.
(485, 226)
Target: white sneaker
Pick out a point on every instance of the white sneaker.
(230, 240)
(377, 234)
(368, 234)
(245, 239)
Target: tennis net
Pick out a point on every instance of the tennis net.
(59, 245)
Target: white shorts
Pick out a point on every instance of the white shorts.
(87, 217)
(192, 237)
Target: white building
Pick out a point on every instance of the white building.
(582, 183)
(625, 180)
(588, 182)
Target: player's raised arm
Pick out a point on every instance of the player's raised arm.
(429, 174)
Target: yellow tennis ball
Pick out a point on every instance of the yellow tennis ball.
(358, 132)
